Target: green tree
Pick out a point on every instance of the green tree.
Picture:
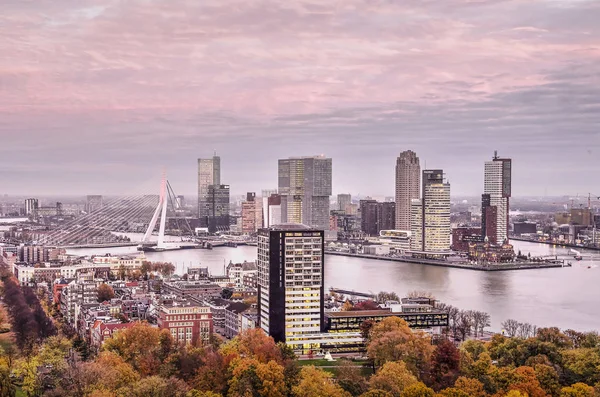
(581, 365)
(393, 377)
(548, 378)
(315, 382)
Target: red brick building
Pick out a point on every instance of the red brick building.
(463, 236)
(102, 331)
(188, 322)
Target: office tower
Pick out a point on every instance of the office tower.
(343, 200)
(31, 206)
(290, 281)
(93, 203)
(249, 214)
(433, 222)
(266, 193)
(305, 188)
(218, 208)
(377, 216)
(408, 172)
(497, 185)
(209, 173)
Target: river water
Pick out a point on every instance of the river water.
(562, 297)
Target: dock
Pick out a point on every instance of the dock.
(459, 265)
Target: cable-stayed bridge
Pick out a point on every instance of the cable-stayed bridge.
(121, 220)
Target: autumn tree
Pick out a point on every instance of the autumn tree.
(527, 383)
(581, 365)
(377, 393)
(472, 387)
(142, 346)
(445, 364)
(392, 340)
(351, 379)
(212, 374)
(548, 378)
(384, 296)
(578, 390)
(254, 378)
(418, 390)
(511, 327)
(315, 382)
(253, 343)
(393, 377)
(105, 293)
(158, 386)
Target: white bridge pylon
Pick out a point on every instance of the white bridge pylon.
(161, 209)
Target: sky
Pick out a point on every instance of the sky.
(99, 96)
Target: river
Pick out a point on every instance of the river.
(562, 297)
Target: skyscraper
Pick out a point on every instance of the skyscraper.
(266, 193)
(497, 185)
(290, 282)
(249, 214)
(209, 173)
(343, 200)
(408, 172)
(376, 216)
(217, 218)
(305, 188)
(430, 226)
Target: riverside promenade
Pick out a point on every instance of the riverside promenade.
(492, 267)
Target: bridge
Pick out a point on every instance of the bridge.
(118, 223)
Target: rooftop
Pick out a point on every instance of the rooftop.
(289, 226)
(361, 313)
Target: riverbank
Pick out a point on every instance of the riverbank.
(458, 265)
(564, 245)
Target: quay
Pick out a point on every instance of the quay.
(459, 265)
(565, 245)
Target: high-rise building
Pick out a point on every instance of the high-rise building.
(209, 173)
(180, 202)
(497, 184)
(249, 214)
(93, 203)
(290, 281)
(305, 188)
(430, 224)
(31, 206)
(218, 208)
(408, 173)
(274, 210)
(343, 200)
(377, 216)
(266, 193)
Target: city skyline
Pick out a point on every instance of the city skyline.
(431, 76)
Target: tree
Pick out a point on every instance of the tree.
(253, 343)
(581, 365)
(146, 269)
(251, 377)
(384, 296)
(376, 393)
(548, 378)
(226, 293)
(196, 393)
(212, 374)
(167, 269)
(418, 390)
(472, 387)
(527, 383)
(105, 293)
(6, 387)
(393, 377)
(365, 305)
(420, 294)
(142, 346)
(392, 340)
(453, 392)
(315, 382)
(351, 379)
(445, 364)
(157, 386)
(578, 390)
(511, 327)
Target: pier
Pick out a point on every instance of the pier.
(459, 265)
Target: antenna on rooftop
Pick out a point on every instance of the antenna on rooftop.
(495, 155)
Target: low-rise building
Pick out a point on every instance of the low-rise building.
(188, 322)
(233, 318)
(194, 289)
(100, 331)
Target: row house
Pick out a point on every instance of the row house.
(233, 318)
(237, 271)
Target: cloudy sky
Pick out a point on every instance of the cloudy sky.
(98, 95)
